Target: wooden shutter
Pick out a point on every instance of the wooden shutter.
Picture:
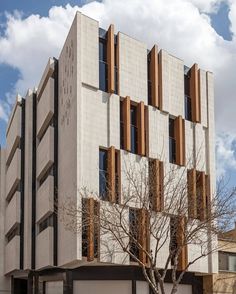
(195, 94)
(111, 173)
(111, 59)
(160, 91)
(181, 243)
(154, 76)
(192, 193)
(143, 234)
(126, 120)
(180, 140)
(90, 229)
(156, 179)
(141, 128)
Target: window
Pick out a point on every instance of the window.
(109, 174)
(90, 228)
(133, 227)
(103, 75)
(133, 129)
(172, 142)
(187, 98)
(149, 80)
(14, 232)
(121, 126)
(48, 173)
(103, 174)
(227, 261)
(48, 222)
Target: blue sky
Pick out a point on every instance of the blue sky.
(11, 73)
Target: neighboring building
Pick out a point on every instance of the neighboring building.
(225, 281)
(106, 94)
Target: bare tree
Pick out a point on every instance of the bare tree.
(152, 220)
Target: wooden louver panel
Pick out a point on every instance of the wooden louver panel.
(156, 183)
(111, 59)
(126, 119)
(111, 173)
(181, 244)
(154, 76)
(195, 93)
(141, 129)
(143, 234)
(90, 228)
(180, 140)
(192, 193)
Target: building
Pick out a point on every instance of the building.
(225, 281)
(105, 94)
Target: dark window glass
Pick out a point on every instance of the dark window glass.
(13, 233)
(172, 143)
(103, 189)
(227, 261)
(103, 83)
(117, 175)
(134, 129)
(133, 227)
(173, 238)
(48, 222)
(149, 81)
(84, 228)
(121, 126)
(187, 98)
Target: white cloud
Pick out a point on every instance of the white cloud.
(181, 27)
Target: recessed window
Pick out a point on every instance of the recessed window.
(172, 141)
(134, 128)
(133, 229)
(227, 261)
(43, 225)
(187, 98)
(103, 74)
(14, 232)
(103, 174)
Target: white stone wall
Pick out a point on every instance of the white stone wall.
(54, 287)
(203, 97)
(68, 139)
(89, 51)
(132, 68)
(189, 144)
(158, 134)
(172, 84)
(200, 148)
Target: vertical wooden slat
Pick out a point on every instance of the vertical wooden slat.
(111, 59)
(90, 229)
(111, 174)
(126, 118)
(192, 193)
(156, 179)
(141, 129)
(180, 140)
(154, 76)
(181, 242)
(194, 93)
(160, 91)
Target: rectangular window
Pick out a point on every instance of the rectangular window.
(12, 233)
(48, 222)
(172, 141)
(103, 71)
(149, 79)
(227, 261)
(133, 228)
(117, 176)
(133, 129)
(121, 126)
(103, 174)
(187, 98)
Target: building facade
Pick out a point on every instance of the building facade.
(106, 95)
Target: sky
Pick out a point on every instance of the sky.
(202, 31)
